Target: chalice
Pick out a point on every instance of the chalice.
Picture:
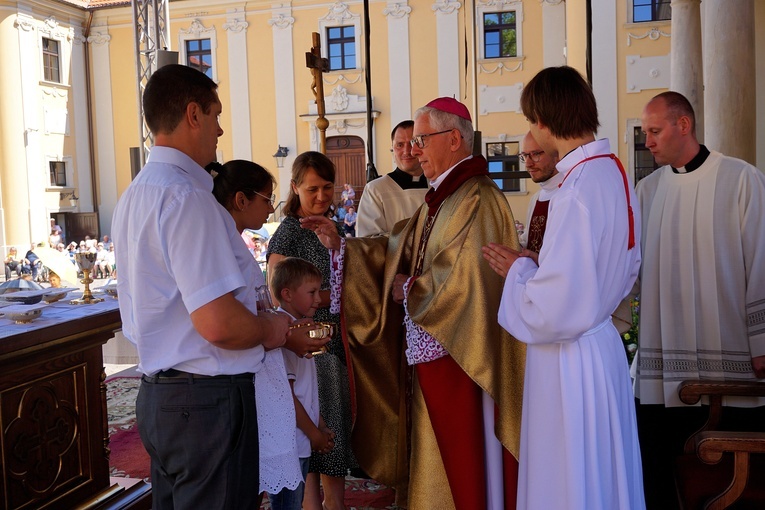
(85, 261)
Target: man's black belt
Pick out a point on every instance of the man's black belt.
(173, 376)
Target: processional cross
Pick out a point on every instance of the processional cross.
(318, 67)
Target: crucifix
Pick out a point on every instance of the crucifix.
(318, 66)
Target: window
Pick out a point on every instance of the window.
(341, 45)
(51, 66)
(651, 10)
(199, 55)
(499, 35)
(644, 162)
(57, 173)
(503, 157)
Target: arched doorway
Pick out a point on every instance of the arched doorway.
(349, 156)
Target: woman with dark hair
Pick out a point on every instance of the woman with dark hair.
(245, 189)
(311, 193)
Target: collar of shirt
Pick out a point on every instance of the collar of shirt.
(582, 152)
(171, 156)
(695, 163)
(441, 178)
(407, 181)
(552, 183)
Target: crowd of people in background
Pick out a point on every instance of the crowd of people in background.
(31, 266)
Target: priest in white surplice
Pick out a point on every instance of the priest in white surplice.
(579, 444)
(397, 195)
(702, 306)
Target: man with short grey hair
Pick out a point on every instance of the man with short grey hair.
(463, 372)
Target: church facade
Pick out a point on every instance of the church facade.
(69, 121)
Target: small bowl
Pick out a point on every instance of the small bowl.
(21, 314)
(24, 297)
(55, 294)
(110, 289)
(23, 317)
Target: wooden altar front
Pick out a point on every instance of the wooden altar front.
(54, 443)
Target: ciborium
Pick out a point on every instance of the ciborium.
(86, 261)
(318, 330)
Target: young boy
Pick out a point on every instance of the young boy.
(296, 283)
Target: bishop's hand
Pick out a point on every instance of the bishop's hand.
(324, 228)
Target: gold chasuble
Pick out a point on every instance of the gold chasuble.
(455, 300)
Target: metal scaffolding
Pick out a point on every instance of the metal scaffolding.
(151, 22)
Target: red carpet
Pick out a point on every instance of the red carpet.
(130, 460)
(128, 457)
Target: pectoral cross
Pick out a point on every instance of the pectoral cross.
(318, 66)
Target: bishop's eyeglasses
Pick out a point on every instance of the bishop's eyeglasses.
(419, 140)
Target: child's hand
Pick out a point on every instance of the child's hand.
(323, 441)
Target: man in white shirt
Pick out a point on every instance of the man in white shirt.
(397, 195)
(541, 166)
(189, 307)
(702, 291)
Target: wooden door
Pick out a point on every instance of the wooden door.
(79, 225)
(348, 153)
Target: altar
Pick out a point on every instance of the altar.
(54, 448)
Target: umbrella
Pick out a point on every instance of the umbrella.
(271, 227)
(58, 262)
(18, 284)
(262, 232)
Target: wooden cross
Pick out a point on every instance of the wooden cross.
(318, 66)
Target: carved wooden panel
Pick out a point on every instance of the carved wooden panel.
(52, 416)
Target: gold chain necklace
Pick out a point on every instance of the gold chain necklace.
(429, 222)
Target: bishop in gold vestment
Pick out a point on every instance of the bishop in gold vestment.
(432, 428)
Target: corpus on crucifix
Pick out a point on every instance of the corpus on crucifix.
(318, 66)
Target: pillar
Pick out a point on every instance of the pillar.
(729, 96)
(687, 71)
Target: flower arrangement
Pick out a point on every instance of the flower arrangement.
(630, 337)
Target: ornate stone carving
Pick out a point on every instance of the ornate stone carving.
(446, 6)
(78, 38)
(99, 38)
(236, 25)
(341, 126)
(653, 34)
(502, 4)
(339, 98)
(24, 24)
(281, 21)
(501, 67)
(339, 12)
(397, 10)
(52, 23)
(343, 77)
(197, 29)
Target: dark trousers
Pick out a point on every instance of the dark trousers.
(663, 431)
(202, 437)
(12, 266)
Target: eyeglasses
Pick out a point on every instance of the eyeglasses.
(534, 156)
(419, 140)
(270, 199)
